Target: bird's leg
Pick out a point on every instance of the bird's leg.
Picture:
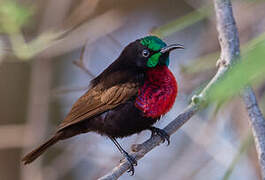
(129, 158)
(161, 133)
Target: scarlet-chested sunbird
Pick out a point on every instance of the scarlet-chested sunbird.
(129, 96)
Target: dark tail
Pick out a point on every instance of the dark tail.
(41, 149)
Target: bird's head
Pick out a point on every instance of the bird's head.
(148, 52)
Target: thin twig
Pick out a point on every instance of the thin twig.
(80, 62)
(229, 41)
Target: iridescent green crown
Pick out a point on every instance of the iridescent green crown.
(155, 44)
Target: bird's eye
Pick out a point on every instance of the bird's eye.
(145, 53)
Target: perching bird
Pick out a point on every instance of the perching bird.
(126, 98)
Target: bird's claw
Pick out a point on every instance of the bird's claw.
(161, 133)
(132, 162)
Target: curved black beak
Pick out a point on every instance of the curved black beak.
(171, 47)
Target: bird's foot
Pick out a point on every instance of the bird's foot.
(161, 133)
(132, 162)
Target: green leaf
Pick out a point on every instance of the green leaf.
(13, 16)
(250, 70)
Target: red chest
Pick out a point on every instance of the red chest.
(157, 96)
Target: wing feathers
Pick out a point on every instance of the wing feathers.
(96, 101)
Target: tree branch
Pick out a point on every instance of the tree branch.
(257, 122)
(229, 41)
(80, 62)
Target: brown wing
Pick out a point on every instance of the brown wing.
(96, 101)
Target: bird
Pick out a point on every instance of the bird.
(129, 96)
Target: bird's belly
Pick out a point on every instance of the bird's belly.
(122, 121)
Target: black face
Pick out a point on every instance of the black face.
(144, 53)
(137, 55)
